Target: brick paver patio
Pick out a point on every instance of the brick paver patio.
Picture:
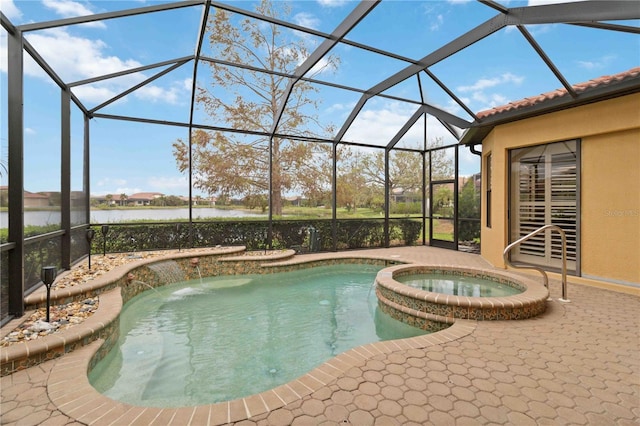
(578, 364)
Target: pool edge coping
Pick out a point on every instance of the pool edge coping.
(71, 372)
(28, 353)
(534, 292)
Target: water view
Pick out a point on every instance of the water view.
(49, 217)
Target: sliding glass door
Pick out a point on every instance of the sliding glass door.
(545, 188)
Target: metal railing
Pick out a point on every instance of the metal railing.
(505, 256)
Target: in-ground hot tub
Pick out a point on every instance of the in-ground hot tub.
(436, 310)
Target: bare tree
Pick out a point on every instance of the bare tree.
(227, 163)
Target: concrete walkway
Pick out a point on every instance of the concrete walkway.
(578, 364)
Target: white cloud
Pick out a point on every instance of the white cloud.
(10, 10)
(453, 107)
(597, 64)
(66, 8)
(29, 131)
(339, 107)
(306, 20)
(125, 190)
(93, 94)
(71, 9)
(489, 100)
(485, 83)
(113, 186)
(437, 23)
(174, 95)
(378, 126)
(433, 16)
(83, 57)
(375, 126)
(322, 66)
(478, 97)
(332, 3)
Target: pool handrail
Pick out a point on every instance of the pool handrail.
(507, 261)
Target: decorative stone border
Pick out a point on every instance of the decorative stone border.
(102, 325)
(118, 277)
(436, 310)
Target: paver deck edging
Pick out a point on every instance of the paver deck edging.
(132, 278)
(71, 392)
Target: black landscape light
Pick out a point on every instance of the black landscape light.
(90, 234)
(48, 276)
(105, 231)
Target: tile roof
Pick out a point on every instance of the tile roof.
(34, 195)
(579, 88)
(145, 195)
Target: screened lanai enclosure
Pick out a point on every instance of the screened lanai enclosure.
(314, 126)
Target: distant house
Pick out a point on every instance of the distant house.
(143, 198)
(32, 199)
(77, 199)
(400, 195)
(295, 201)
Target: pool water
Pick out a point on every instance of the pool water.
(200, 342)
(457, 285)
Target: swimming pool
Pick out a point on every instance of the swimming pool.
(200, 342)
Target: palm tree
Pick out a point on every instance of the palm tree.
(123, 198)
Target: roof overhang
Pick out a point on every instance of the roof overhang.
(479, 130)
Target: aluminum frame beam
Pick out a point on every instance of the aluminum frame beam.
(198, 50)
(108, 15)
(15, 123)
(547, 61)
(578, 12)
(65, 177)
(483, 30)
(573, 13)
(137, 86)
(357, 15)
(405, 128)
(450, 93)
(611, 27)
(129, 71)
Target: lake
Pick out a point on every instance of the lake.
(46, 217)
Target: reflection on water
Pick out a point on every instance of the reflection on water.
(458, 285)
(227, 337)
(52, 217)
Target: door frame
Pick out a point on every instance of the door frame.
(452, 245)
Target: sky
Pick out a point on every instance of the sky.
(131, 157)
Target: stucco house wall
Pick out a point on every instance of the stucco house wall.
(610, 183)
